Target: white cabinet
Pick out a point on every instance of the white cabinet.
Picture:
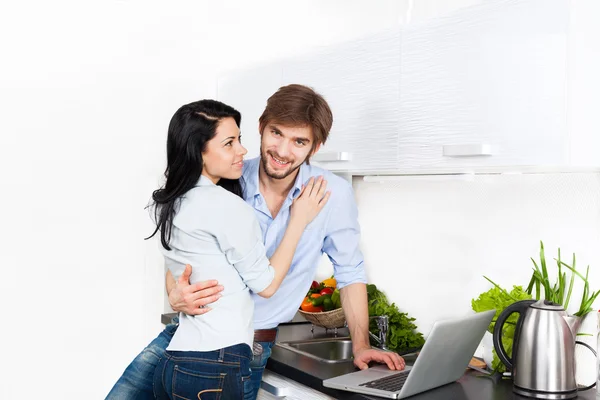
(514, 76)
(583, 63)
(361, 82)
(501, 85)
(485, 87)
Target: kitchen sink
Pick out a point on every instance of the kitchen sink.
(328, 350)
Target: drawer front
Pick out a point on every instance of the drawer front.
(288, 388)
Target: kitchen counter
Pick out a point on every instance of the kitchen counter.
(310, 372)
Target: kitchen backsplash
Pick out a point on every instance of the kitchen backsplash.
(428, 240)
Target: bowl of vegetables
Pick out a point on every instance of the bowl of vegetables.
(322, 305)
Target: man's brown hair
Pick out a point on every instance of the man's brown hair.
(299, 105)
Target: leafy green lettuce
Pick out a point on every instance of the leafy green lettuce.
(498, 299)
(402, 333)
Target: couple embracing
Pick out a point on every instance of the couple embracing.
(253, 233)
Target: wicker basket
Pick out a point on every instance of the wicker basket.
(328, 319)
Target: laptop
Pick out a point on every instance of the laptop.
(442, 360)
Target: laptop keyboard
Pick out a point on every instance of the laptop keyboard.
(391, 383)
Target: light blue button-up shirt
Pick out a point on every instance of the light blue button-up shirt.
(335, 231)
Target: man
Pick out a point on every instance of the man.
(293, 126)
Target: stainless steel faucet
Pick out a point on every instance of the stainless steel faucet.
(382, 325)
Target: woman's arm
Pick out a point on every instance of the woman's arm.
(305, 208)
(283, 256)
(188, 298)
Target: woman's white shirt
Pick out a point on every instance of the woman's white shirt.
(218, 234)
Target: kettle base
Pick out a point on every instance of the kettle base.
(540, 394)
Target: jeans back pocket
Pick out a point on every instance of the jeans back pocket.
(197, 385)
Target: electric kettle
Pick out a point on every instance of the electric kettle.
(543, 354)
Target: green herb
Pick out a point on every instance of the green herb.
(402, 332)
(498, 299)
(558, 293)
(587, 299)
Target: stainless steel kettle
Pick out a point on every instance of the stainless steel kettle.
(543, 353)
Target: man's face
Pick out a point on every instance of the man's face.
(284, 148)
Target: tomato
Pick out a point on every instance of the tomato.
(308, 306)
(326, 290)
(315, 287)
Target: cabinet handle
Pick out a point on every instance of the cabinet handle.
(333, 156)
(467, 150)
(274, 390)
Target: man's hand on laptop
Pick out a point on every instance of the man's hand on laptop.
(193, 299)
(363, 356)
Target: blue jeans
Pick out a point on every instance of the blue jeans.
(258, 365)
(205, 375)
(136, 383)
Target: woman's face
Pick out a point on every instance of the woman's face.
(224, 154)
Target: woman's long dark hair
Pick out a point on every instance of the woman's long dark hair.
(192, 126)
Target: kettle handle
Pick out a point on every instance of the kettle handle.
(595, 355)
(519, 307)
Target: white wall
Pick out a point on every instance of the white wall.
(428, 241)
(86, 92)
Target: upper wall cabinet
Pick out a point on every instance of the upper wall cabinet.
(501, 85)
(485, 87)
(361, 82)
(491, 86)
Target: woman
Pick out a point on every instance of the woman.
(203, 221)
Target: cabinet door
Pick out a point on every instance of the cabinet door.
(361, 82)
(485, 79)
(248, 91)
(583, 62)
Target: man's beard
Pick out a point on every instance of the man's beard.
(273, 174)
